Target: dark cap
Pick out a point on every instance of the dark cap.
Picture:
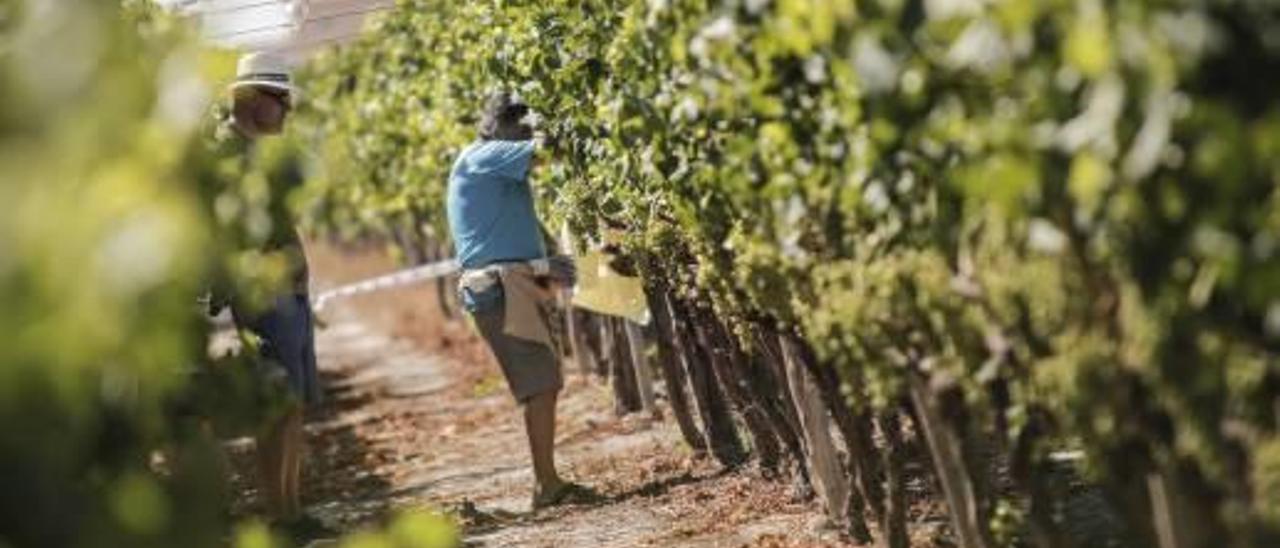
(504, 118)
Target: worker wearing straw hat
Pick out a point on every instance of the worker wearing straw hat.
(262, 96)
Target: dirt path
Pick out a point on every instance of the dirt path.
(416, 415)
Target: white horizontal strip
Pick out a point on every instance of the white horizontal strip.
(408, 276)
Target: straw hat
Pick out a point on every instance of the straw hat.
(261, 69)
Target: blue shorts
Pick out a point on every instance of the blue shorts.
(531, 368)
(288, 339)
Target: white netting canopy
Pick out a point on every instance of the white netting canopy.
(292, 28)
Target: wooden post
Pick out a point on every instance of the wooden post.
(821, 456)
(605, 368)
(583, 354)
(592, 330)
(1176, 507)
(825, 469)
(855, 428)
(640, 364)
(627, 400)
(771, 349)
(948, 460)
(768, 341)
(446, 286)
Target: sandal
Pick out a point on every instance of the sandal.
(567, 493)
(305, 529)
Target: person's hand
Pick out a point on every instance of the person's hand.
(212, 304)
(546, 142)
(619, 261)
(563, 270)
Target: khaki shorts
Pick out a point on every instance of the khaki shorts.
(531, 368)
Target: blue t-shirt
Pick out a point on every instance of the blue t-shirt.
(490, 204)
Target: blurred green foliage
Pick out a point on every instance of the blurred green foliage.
(101, 256)
(410, 528)
(115, 216)
(1068, 206)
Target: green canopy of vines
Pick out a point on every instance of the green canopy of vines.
(1068, 208)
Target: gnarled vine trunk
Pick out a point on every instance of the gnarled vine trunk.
(722, 435)
(669, 366)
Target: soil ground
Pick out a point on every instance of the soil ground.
(417, 415)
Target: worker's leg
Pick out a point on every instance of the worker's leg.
(540, 425)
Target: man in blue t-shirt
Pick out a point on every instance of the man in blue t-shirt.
(508, 280)
(491, 211)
